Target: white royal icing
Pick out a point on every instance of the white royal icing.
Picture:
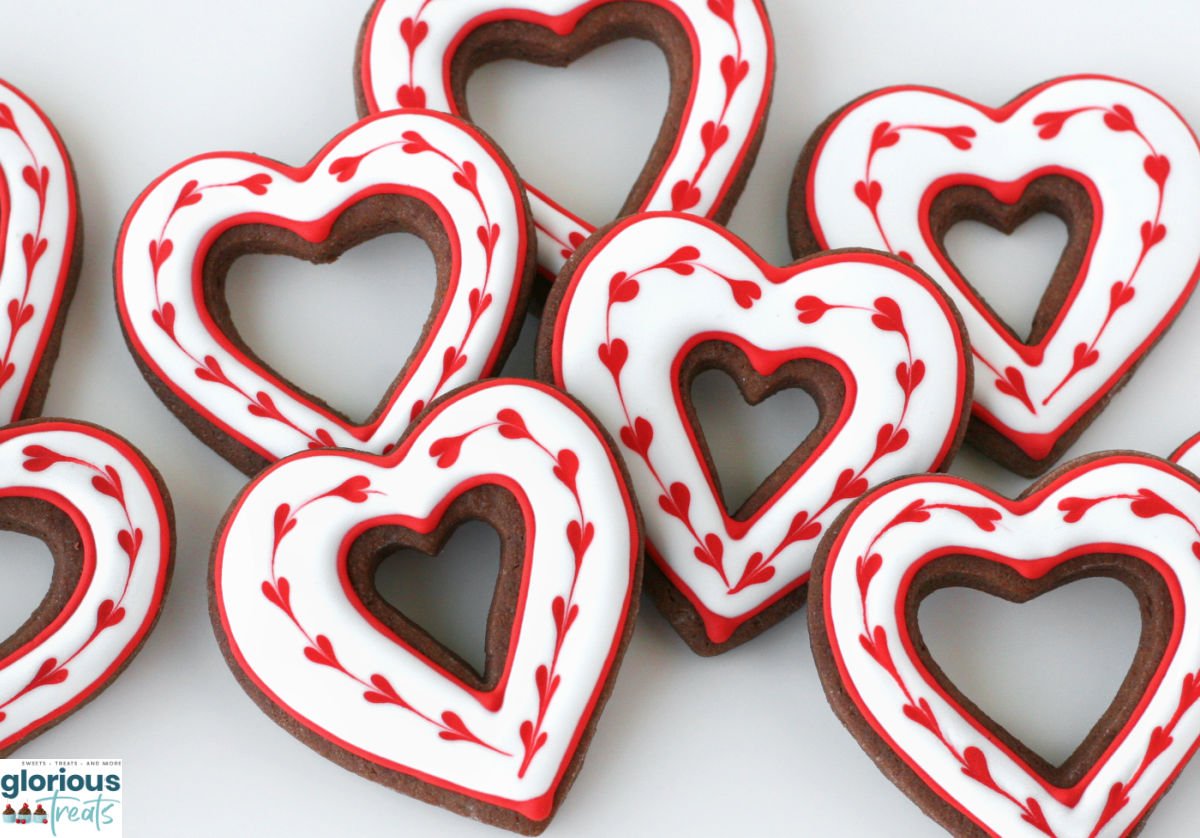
(1126, 501)
(270, 645)
(434, 158)
(681, 296)
(409, 46)
(1077, 126)
(38, 219)
(124, 529)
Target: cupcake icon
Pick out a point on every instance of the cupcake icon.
(24, 815)
(40, 816)
(9, 815)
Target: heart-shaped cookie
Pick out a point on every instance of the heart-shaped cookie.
(1127, 516)
(420, 172)
(421, 53)
(375, 695)
(897, 168)
(657, 299)
(41, 245)
(106, 517)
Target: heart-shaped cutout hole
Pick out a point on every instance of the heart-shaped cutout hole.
(430, 588)
(594, 62)
(967, 637)
(308, 347)
(1010, 269)
(750, 430)
(42, 559)
(605, 101)
(379, 292)
(1020, 248)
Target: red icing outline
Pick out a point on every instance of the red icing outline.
(1185, 449)
(539, 808)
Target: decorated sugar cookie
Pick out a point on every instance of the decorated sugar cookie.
(899, 167)
(296, 611)
(106, 517)
(41, 243)
(660, 298)
(420, 172)
(420, 53)
(1127, 516)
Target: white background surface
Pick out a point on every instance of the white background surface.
(742, 744)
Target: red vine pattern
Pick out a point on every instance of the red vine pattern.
(1157, 167)
(260, 404)
(869, 191)
(106, 480)
(320, 649)
(714, 134)
(637, 434)
(1144, 503)
(34, 245)
(580, 533)
(1010, 381)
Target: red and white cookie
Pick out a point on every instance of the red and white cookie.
(316, 659)
(872, 174)
(213, 382)
(113, 563)
(410, 57)
(657, 288)
(1124, 515)
(40, 247)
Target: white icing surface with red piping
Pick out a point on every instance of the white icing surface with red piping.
(1121, 504)
(124, 532)
(410, 44)
(657, 286)
(295, 627)
(886, 156)
(38, 220)
(432, 158)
